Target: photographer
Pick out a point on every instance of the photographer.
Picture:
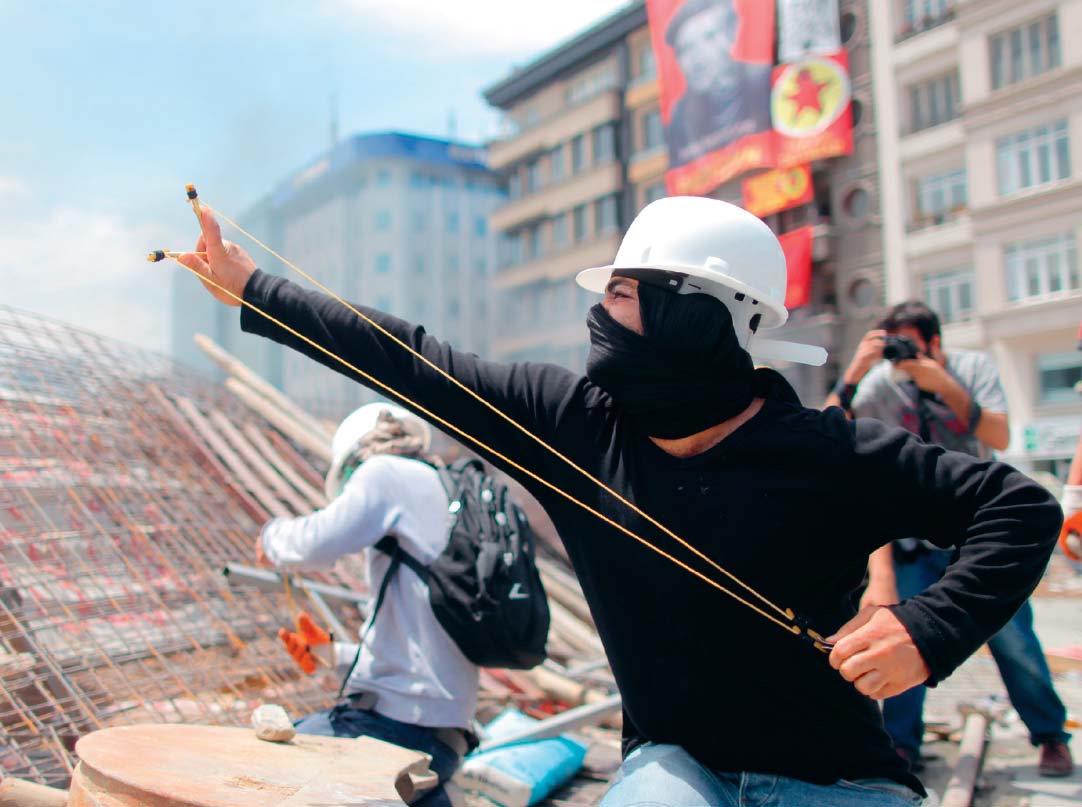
(902, 376)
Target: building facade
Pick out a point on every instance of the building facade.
(584, 151)
(981, 120)
(394, 221)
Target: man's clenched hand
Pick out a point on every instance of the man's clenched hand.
(875, 652)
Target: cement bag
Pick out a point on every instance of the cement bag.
(523, 774)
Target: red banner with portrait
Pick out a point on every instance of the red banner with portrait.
(797, 246)
(778, 190)
(714, 62)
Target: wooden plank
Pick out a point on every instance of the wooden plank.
(229, 457)
(255, 461)
(316, 442)
(313, 494)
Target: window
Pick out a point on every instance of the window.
(1057, 374)
(1024, 52)
(654, 192)
(514, 249)
(653, 135)
(950, 294)
(1041, 267)
(418, 264)
(578, 153)
(383, 302)
(1033, 157)
(452, 264)
(606, 214)
(480, 267)
(533, 176)
(452, 221)
(592, 83)
(419, 221)
(645, 65)
(533, 242)
(939, 195)
(559, 231)
(604, 143)
(922, 14)
(383, 263)
(514, 185)
(383, 177)
(578, 216)
(383, 221)
(556, 163)
(934, 102)
(480, 226)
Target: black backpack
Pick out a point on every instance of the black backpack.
(484, 587)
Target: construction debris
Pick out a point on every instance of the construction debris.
(271, 723)
(127, 485)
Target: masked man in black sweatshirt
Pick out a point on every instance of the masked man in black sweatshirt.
(723, 699)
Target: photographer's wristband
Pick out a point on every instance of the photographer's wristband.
(975, 413)
(845, 393)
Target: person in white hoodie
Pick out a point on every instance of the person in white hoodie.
(409, 684)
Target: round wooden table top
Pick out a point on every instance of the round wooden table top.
(214, 766)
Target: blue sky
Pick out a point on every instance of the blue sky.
(109, 107)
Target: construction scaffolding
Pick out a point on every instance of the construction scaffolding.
(124, 491)
(131, 493)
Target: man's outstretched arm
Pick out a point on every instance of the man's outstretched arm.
(533, 395)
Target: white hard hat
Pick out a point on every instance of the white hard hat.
(353, 429)
(719, 249)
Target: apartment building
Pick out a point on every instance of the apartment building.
(584, 151)
(980, 106)
(396, 221)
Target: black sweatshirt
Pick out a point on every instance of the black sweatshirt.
(792, 503)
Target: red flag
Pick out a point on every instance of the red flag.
(797, 246)
(778, 190)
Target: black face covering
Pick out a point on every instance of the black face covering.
(685, 374)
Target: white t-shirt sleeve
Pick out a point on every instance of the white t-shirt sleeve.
(364, 512)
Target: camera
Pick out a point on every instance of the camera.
(899, 348)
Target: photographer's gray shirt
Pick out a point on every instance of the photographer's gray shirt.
(408, 659)
(887, 394)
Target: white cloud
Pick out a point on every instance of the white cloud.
(89, 269)
(9, 186)
(481, 27)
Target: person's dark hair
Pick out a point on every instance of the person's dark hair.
(686, 12)
(912, 314)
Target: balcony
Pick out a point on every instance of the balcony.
(908, 30)
(565, 263)
(552, 199)
(647, 164)
(932, 141)
(922, 221)
(556, 129)
(953, 233)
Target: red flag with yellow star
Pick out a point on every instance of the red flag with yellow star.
(810, 106)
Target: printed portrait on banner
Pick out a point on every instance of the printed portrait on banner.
(715, 59)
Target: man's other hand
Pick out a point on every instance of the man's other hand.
(927, 373)
(226, 264)
(875, 652)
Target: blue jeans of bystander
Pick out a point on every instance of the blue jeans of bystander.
(345, 721)
(1017, 653)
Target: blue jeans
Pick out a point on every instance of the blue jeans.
(668, 776)
(1017, 653)
(345, 721)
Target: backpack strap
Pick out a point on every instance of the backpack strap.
(389, 545)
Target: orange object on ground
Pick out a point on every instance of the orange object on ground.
(299, 643)
(1072, 528)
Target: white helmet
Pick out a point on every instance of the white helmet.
(718, 249)
(353, 429)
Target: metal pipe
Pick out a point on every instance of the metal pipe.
(587, 715)
(272, 581)
(959, 790)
